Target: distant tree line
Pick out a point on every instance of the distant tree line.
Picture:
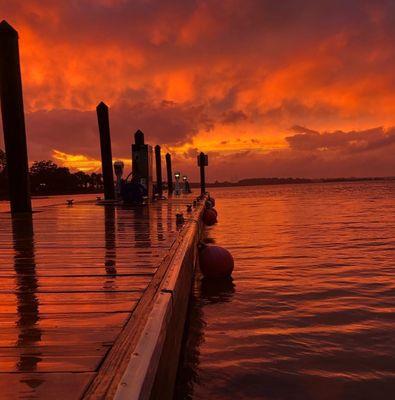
(289, 181)
(48, 178)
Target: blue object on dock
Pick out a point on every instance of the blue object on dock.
(133, 192)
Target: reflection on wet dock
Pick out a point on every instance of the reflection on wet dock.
(70, 278)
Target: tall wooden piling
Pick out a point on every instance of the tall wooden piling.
(170, 187)
(106, 154)
(202, 163)
(158, 162)
(14, 120)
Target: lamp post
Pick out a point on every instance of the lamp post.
(187, 188)
(177, 190)
(118, 169)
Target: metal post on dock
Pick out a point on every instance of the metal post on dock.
(14, 120)
(158, 161)
(105, 147)
(169, 174)
(202, 163)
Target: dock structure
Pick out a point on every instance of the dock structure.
(94, 299)
(93, 295)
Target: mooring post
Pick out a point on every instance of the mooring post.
(105, 147)
(202, 163)
(158, 162)
(169, 174)
(14, 120)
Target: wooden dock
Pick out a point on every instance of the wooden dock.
(93, 299)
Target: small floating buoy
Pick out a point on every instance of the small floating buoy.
(70, 202)
(209, 217)
(215, 262)
(212, 200)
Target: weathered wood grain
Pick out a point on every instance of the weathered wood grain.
(72, 281)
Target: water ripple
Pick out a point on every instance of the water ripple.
(310, 313)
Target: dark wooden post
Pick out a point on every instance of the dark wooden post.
(158, 162)
(105, 147)
(14, 120)
(169, 174)
(202, 163)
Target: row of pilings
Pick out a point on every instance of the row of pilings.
(13, 118)
(106, 156)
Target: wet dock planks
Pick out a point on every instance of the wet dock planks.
(70, 279)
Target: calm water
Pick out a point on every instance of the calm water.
(310, 313)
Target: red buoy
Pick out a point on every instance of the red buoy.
(216, 212)
(209, 217)
(215, 262)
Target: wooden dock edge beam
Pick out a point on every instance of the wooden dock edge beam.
(144, 358)
(152, 369)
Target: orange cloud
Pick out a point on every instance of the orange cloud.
(76, 161)
(80, 162)
(225, 77)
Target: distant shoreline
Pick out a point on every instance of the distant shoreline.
(290, 181)
(242, 182)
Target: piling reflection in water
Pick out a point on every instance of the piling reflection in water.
(159, 225)
(142, 234)
(26, 292)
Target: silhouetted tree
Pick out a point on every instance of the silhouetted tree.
(46, 176)
(83, 179)
(96, 180)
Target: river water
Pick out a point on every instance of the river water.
(310, 313)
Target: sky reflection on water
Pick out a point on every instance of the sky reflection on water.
(310, 311)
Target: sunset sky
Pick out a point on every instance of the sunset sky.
(300, 88)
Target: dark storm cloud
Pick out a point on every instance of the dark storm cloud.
(353, 141)
(176, 69)
(233, 117)
(163, 123)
